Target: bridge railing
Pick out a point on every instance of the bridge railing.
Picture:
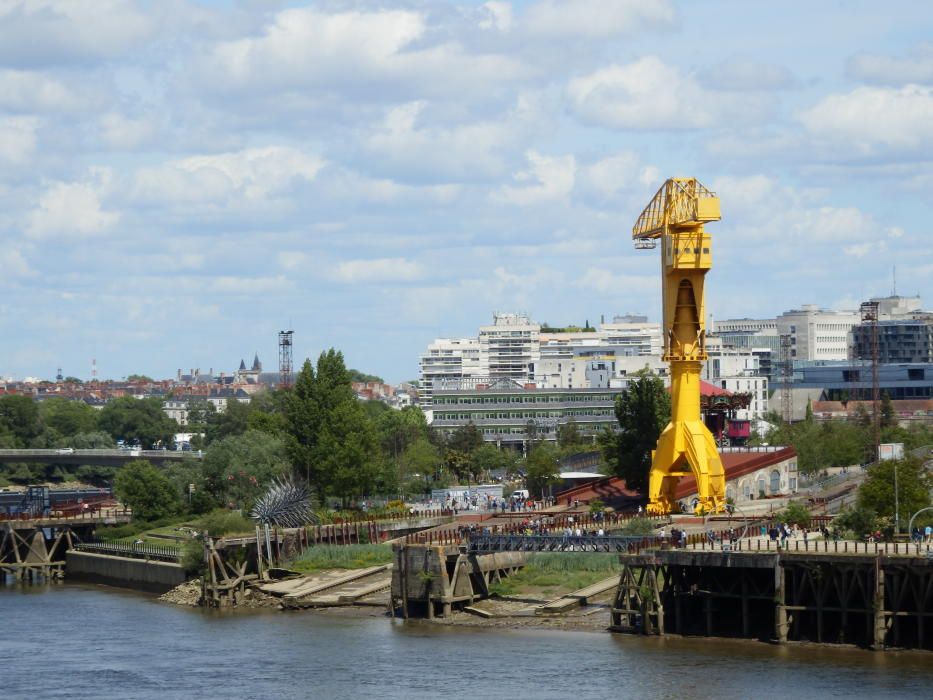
(560, 543)
(135, 551)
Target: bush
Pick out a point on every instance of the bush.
(638, 526)
(224, 522)
(597, 506)
(192, 558)
(794, 514)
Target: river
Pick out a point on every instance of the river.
(81, 641)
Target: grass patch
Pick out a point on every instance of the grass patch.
(224, 522)
(554, 574)
(353, 556)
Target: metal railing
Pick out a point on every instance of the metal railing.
(558, 543)
(134, 551)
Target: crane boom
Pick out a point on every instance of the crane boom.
(679, 201)
(676, 215)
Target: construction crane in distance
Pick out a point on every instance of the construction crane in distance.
(676, 216)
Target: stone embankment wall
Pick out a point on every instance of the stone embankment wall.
(123, 571)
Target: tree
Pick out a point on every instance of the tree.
(355, 375)
(237, 469)
(233, 420)
(68, 417)
(302, 424)
(543, 468)
(485, 459)
(139, 378)
(146, 490)
(96, 440)
(914, 483)
(888, 416)
(795, 514)
(808, 416)
(465, 439)
(347, 451)
(131, 419)
(642, 411)
(19, 416)
(419, 461)
(569, 435)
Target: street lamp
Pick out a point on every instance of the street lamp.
(910, 525)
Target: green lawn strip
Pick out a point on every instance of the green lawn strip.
(353, 556)
(552, 575)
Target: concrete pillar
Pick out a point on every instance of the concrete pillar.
(780, 604)
(880, 629)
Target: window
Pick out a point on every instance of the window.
(775, 481)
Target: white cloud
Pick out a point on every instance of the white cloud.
(125, 133)
(29, 91)
(607, 282)
(249, 175)
(14, 264)
(378, 270)
(613, 174)
(594, 19)
(870, 119)
(889, 70)
(72, 210)
(17, 139)
(469, 151)
(39, 32)
(229, 284)
(497, 15)
(549, 178)
(649, 94)
(744, 74)
(377, 55)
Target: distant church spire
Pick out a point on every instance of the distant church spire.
(257, 365)
(242, 366)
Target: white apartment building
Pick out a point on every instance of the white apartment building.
(448, 358)
(737, 370)
(816, 334)
(510, 346)
(514, 347)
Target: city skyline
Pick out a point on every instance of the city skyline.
(377, 178)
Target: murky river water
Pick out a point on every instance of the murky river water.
(74, 641)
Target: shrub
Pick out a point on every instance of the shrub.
(224, 522)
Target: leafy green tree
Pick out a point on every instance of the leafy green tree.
(457, 463)
(569, 436)
(130, 419)
(303, 423)
(858, 520)
(146, 490)
(354, 375)
(233, 420)
(68, 417)
(465, 439)
(19, 416)
(267, 412)
(96, 440)
(642, 411)
(347, 451)
(139, 378)
(543, 468)
(914, 483)
(96, 475)
(238, 468)
(795, 514)
(888, 415)
(808, 416)
(418, 462)
(485, 459)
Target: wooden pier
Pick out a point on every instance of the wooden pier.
(878, 600)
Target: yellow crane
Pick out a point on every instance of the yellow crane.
(675, 216)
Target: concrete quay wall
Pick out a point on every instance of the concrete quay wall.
(123, 571)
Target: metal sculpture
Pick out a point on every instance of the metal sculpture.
(285, 504)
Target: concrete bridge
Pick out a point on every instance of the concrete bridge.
(103, 458)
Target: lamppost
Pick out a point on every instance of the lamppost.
(897, 509)
(910, 525)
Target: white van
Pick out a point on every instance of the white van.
(520, 495)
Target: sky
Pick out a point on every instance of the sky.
(179, 180)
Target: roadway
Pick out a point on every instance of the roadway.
(103, 458)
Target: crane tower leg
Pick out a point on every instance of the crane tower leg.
(686, 446)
